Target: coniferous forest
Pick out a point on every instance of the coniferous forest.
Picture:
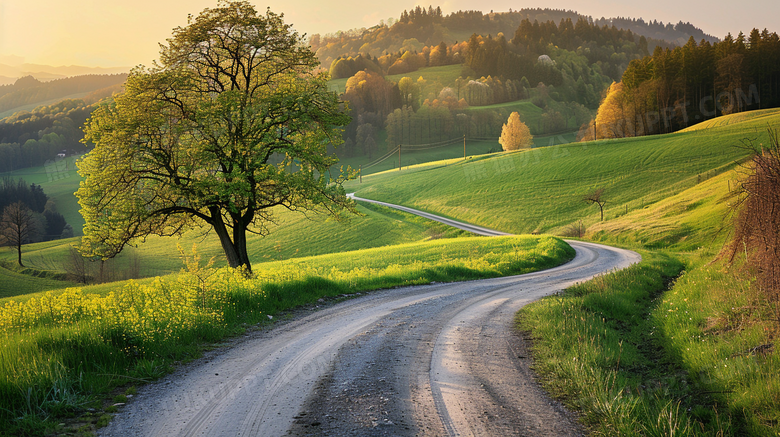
(676, 88)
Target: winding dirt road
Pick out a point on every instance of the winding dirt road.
(436, 360)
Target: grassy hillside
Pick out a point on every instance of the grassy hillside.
(59, 183)
(412, 157)
(756, 119)
(446, 155)
(680, 344)
(293, 236)
(687, 221)
(541, 190)
(445, 74)
(20, 282)
(672, 348)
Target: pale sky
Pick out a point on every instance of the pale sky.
(110, 33)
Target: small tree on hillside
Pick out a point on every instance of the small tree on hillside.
(18, 226)
(597, 197)
(515, 134)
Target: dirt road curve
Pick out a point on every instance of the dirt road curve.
(435, 360)
(479, 230)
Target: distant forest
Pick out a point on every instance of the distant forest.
(30, 138)
(562, 67)
(578, 72)
(429, 78)
(423, 27)
(673, 89)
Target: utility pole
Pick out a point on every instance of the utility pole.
(464, 147)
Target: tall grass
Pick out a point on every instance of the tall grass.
(60, 350)
(640, 360)
(595, 346)
(723, 333)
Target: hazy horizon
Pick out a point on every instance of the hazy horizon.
(94, 33)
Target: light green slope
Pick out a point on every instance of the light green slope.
(541, 190)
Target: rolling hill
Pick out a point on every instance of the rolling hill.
(541, 190)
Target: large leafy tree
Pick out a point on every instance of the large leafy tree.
(230, 123)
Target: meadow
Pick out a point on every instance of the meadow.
(541, 190)
(678, 344)
(59, 183)
(446, 154)
(62, 351)
(292, 235)
(665, 347)
(443, 76)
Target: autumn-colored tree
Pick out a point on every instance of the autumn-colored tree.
(369, 92)
(615, 116)
(515, 134)
(18, 226)
(191, 140)
(438, 55)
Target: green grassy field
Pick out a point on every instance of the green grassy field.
(294, 235)
(762, 117)
(446, 155)
(436, 78)
(411, 157)
(444, 76)
(17, 282)
(62, 351)
(690, 220)
(59, 183)
(541, 190)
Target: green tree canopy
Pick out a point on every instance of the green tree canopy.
(230, 123)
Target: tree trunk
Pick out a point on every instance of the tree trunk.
(224, 238)
(239, 240)
(19, 251)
